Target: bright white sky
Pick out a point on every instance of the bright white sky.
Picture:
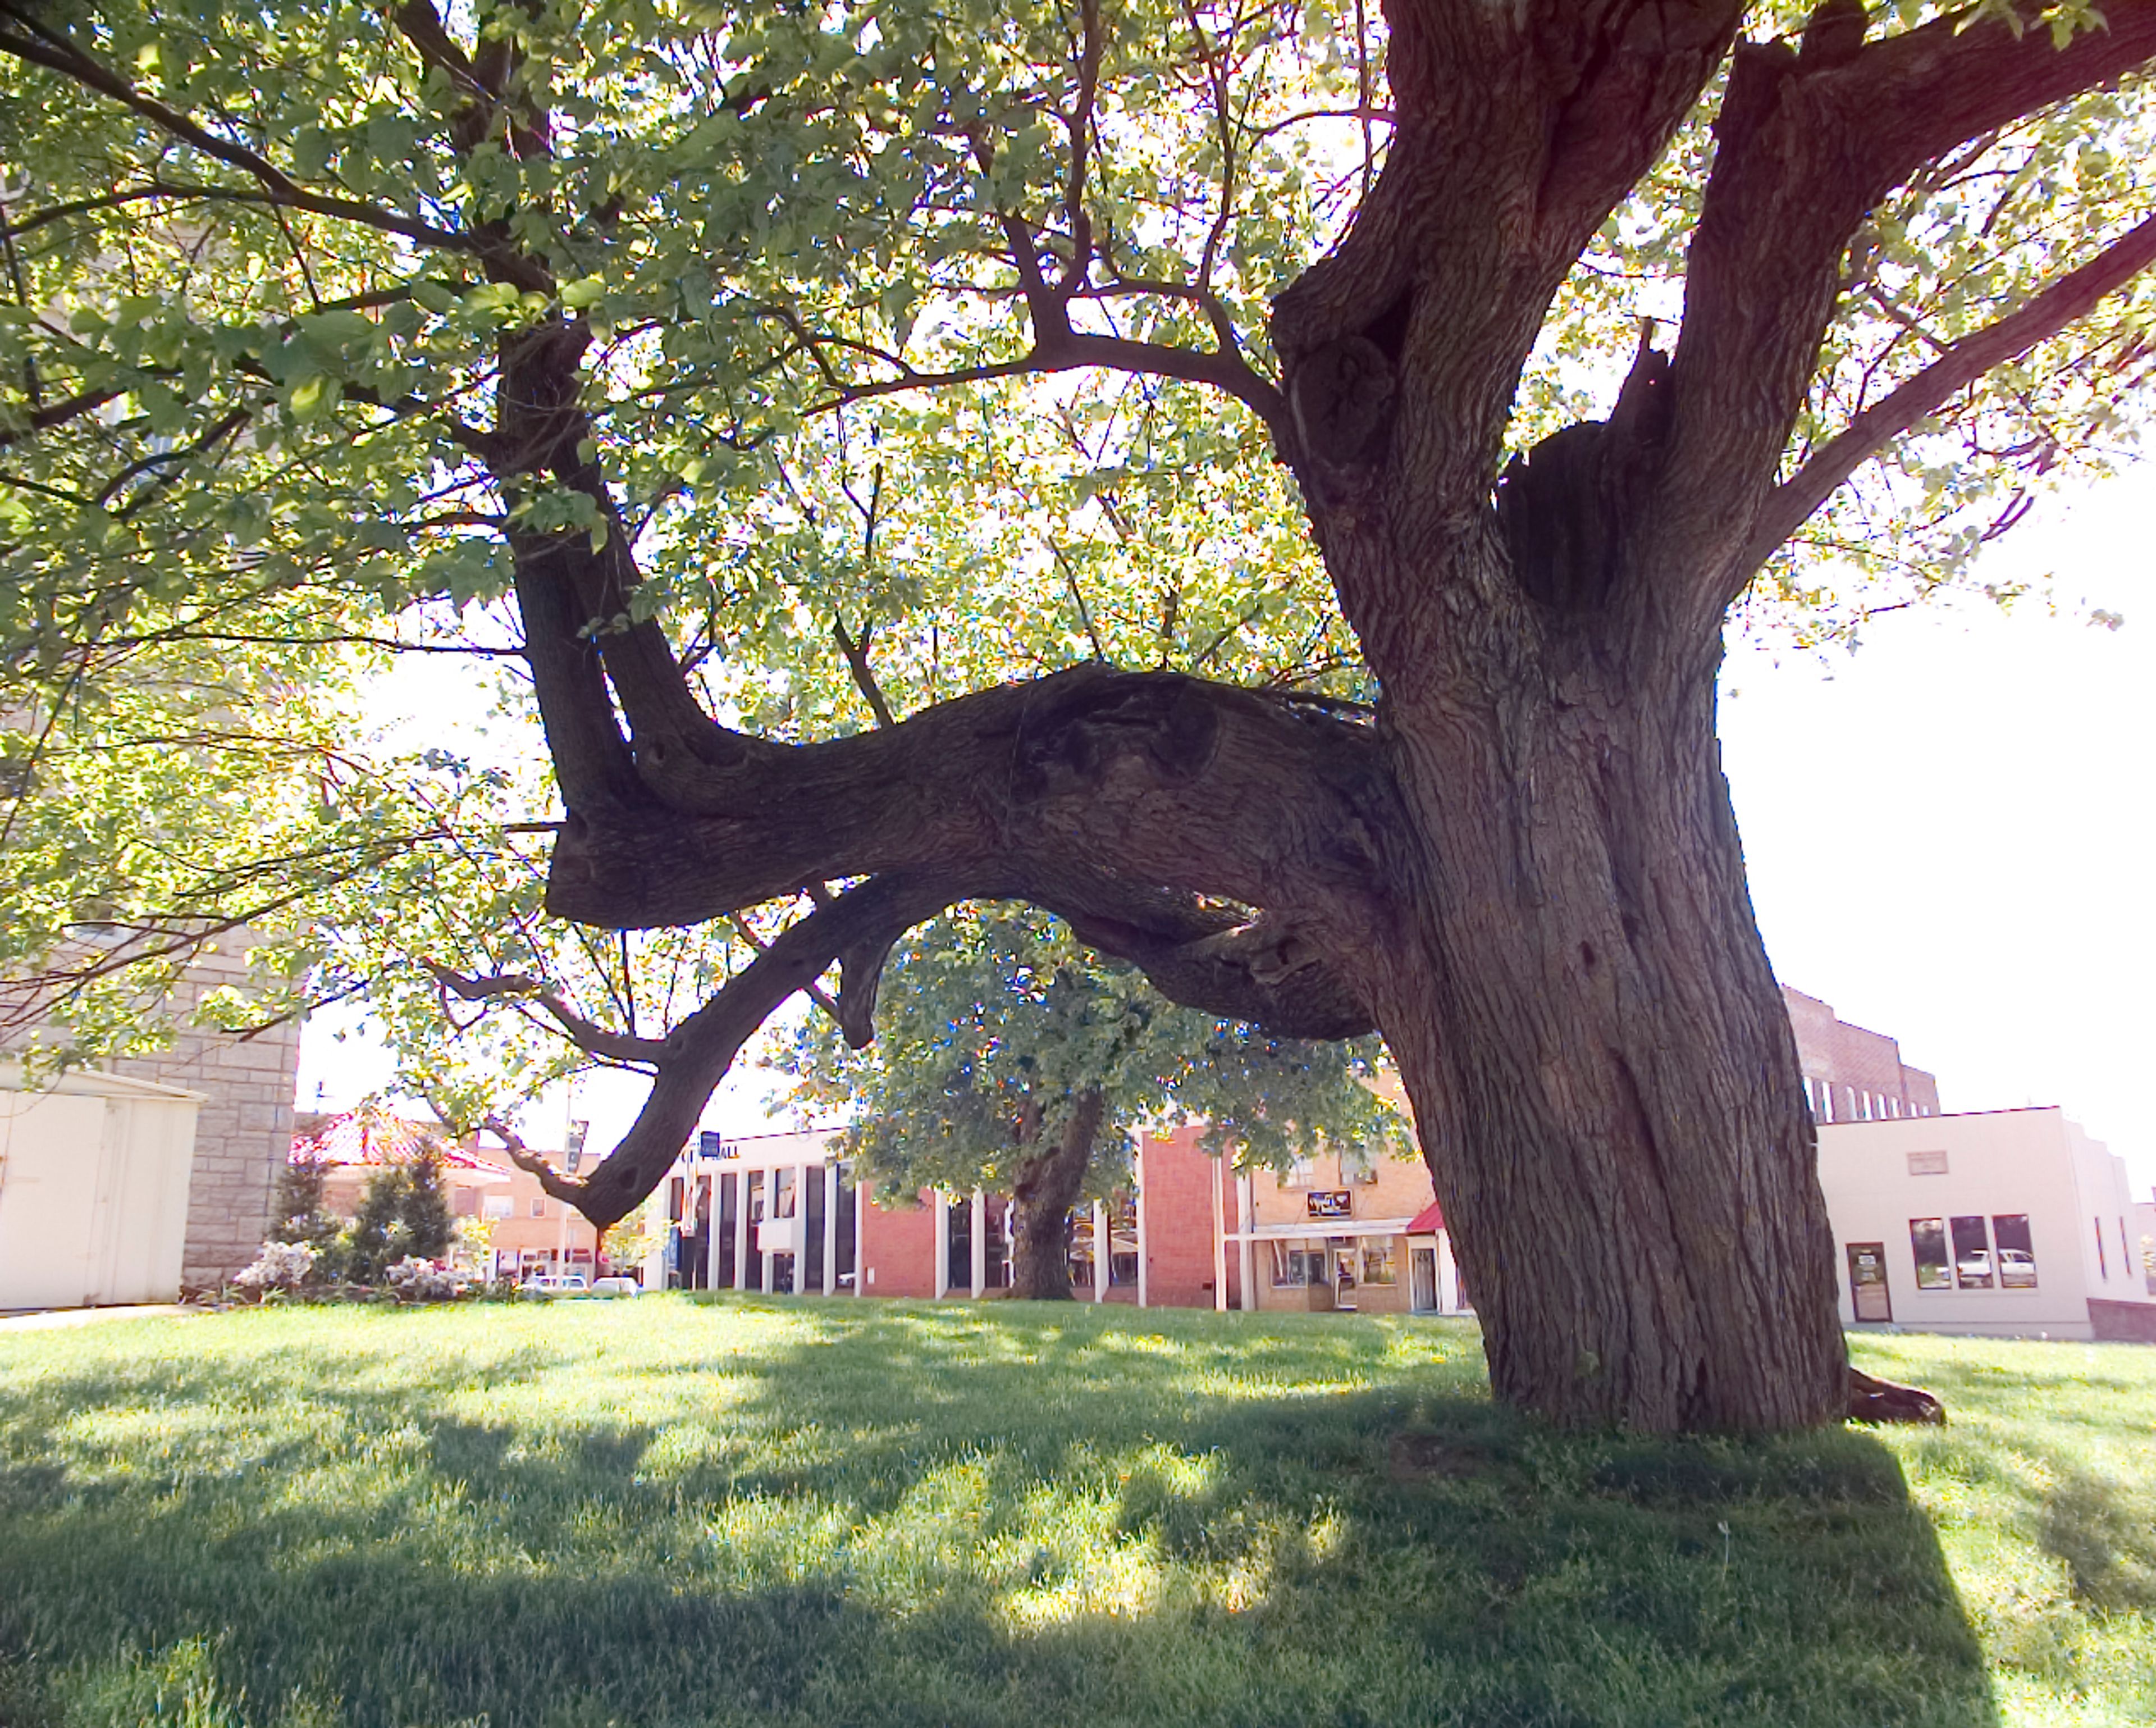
(1950, 834)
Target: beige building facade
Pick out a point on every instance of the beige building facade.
(2005, 1222)
(1339, 1231)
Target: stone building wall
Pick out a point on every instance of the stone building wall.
(244, 1133)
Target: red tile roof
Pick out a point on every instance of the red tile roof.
(365, 1136)
(1426, 1223)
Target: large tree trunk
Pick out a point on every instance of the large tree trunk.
(1593, 1040)
(1042, 1195)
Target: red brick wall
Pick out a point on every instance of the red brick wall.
(898, 1244)
(1176, 1186)
(1851, 1059)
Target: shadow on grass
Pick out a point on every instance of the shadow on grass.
(2107, 1540)
(918, 1517)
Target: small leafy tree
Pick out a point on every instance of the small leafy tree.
(628, 1244)
(298, 1210)
(404, 1214)
(1010, 1058)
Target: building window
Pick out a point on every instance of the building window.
(1359, 1165)
(1971, 1250)
(751, 1270)
(1292, 1268)
(958, 1243)
(1927, 1163)
(1123, 1240)
(1927, 1237)
(1080, 1226)
(2017, 1256)
(729, 1219)
(1300, 1172)
(2102, 1266)
(500, 1205)
(538, 1205)
(1378, 1267)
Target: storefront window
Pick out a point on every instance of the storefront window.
(1378, 1266)
(1927, 1237)
(1971, 1250)
(2017, 1256)
(1292, 1268)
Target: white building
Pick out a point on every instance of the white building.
(2009, 1222)
(95, 1172)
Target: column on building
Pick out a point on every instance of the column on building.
(830, 1176)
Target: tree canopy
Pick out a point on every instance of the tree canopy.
(1262, 483)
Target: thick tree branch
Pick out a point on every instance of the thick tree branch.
(1165, 779)
(551, 1181)
(699, 1052)
(1808, 143)
(2072, 296)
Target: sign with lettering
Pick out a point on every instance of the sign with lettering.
(1330, 1203)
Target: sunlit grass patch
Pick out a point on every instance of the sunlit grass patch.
(721, 1511)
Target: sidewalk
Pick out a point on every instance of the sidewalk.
(38, 1320)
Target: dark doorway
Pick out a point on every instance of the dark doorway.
(1868, 1300)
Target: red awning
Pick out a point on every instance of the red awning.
(1426, 1223)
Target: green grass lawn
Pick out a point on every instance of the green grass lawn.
(667, 1511)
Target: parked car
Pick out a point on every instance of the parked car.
(2017, 1269)
(1974, 1269)
(550, 1283)
(616, 1285)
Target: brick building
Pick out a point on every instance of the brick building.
(1852, 1075)
(780, 1214)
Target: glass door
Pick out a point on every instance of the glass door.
(1867, 1281)
(1422, 1279)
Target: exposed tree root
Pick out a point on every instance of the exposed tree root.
(1872, 1400)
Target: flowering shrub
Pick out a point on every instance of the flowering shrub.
(281, 1266)
(416, 1280)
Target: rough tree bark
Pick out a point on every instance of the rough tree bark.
(1524, 871)
(1042, 1194)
